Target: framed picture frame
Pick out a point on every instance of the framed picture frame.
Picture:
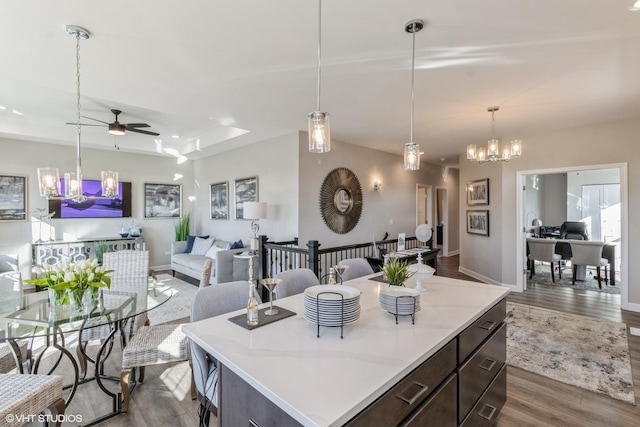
(245, 190)
(478, 222)
(478, 192)
(219, 194)
(13, 198)
(162, 201)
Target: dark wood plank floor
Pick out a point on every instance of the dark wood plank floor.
(534, 400)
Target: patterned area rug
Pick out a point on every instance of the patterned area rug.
(543, 277)
(582, 351)
(178, 306)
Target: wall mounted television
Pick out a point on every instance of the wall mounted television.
(119, 207)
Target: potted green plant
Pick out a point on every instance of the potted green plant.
(182, 227)
(397, 272)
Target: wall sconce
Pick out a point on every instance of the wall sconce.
(377, 184)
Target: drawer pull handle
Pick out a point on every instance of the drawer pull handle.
(487, 417)
(490, 366)
(422, 391)
(488, 325)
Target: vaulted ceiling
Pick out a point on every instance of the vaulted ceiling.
(217, 74)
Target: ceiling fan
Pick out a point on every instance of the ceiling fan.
(117, 128)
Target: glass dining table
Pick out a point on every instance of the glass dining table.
(32, 317)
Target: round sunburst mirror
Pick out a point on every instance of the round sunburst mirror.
(341, 200)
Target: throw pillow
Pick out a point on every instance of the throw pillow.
(237, 245)
(213, 252)
(190, 240)
(201, 246)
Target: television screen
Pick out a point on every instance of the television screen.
(120, 207)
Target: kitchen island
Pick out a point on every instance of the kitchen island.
(283, 374)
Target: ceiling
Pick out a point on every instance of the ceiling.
(214, 75)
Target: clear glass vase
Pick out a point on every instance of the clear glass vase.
(76, 298)
(58, 298)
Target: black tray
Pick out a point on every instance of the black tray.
(263, 319)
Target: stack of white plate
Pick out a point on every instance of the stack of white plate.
(331, 305)
(399, 300)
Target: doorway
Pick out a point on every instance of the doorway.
(424, 205)
(603, 207)
(442, 214)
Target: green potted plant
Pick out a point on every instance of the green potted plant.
(182, 227)
(397, 272)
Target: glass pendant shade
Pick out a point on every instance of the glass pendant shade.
(482, 154)
(110, 186)
(493, 149)
(506, 153)
(49, 182)
(516, 148)
(73, 186)
(319, 132)
(411, 156)
(471, 152)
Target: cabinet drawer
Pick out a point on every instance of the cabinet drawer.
(478, 372)
(411, 391)
(475, 334)
(439, 410)
(484, 413)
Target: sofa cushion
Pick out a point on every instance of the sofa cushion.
(237, 245)
(201, 246)
(213, 252)
(190, 240)
(222, 244)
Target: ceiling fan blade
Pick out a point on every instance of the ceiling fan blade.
(83, 124)
(135, 125)
(143, 131)
(91, 118)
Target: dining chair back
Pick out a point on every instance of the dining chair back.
(295, 281)
(358, 267)
(543, 250)
(208, 302)
(588, 253)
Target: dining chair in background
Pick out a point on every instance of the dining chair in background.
(543, 250)
(358, 267)
(295, 281)
(209, 302)
(588, 253)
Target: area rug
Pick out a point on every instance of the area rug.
(178, 306)
(543, 277)
(582, 351)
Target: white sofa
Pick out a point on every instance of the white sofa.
(225, 268)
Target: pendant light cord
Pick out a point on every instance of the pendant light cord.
(413, 59)
(78, 128)
(319, 48)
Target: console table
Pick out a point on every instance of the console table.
(53, 252)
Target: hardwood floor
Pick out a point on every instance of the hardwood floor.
(534, 400)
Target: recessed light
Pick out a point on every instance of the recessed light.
(2, 107)
(442, 159)
(177, 176)
(635, 7)
(16, 112)
(175, 136)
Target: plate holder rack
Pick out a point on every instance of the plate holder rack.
(341, 313)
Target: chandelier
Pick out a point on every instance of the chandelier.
(49, 178)
(318, 121)
(493, 153)
(412, 149)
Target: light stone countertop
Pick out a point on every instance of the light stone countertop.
(326, 381)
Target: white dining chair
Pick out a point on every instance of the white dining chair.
(543, 250)
(588, 253)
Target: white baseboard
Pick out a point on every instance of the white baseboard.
(633, 307)
(452, 253)
(484, 278)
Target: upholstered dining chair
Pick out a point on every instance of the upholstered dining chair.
(588, 253)
(543, 250)
(358, 267)
(208, 302)
(295, 281)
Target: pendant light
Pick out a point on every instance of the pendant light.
(411, 149)
(492, 152)
(318, 121)
(49, 178)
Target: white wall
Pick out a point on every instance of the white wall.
(572, 148)
(555, 198)
(24, 157)
(275, 163)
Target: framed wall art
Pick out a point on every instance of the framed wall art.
(246, 190)
(478, 222)
(162, 200)
(13, 198)
(220, 200)
(478, 192)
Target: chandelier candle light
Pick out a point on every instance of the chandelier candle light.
(493, 153)
(411, 149)
(318, 121)
(49, 178)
